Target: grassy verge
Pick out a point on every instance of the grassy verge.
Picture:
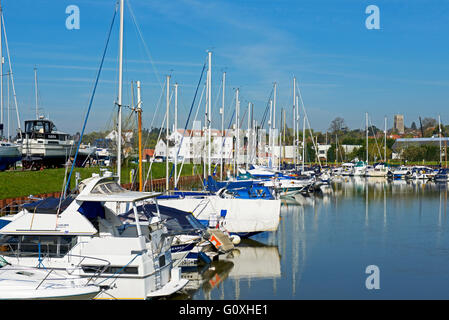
(24, 183)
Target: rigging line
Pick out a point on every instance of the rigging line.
(191, 134)
(375, 138)
(216, 98)
(267, 108)
(152, 121)
(144, 43)
(12, 76)
(188, 117)
(91, 99)
(158, 139)
(157, 106)
(307, 119)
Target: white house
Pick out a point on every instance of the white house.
(191, 145)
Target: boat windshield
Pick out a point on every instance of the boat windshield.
(3, 262)
(108, 187)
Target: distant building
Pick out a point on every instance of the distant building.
(399, 123)
(148, 154)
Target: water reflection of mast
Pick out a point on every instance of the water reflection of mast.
(366, 203)
(295, 251)
(237, 289)
(299, 245)
(439, 212)
(385, 204)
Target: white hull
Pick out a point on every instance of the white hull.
(242, 215)
(18, 282)
(45, 150)
(376, 173)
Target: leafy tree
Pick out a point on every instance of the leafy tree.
(331, 154)
(419, 153)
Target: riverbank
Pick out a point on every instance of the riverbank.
(24, 183)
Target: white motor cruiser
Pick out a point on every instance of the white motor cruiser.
(43, 145)
(101, 228)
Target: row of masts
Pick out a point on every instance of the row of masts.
(208, 118)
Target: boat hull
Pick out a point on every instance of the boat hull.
(240, 216)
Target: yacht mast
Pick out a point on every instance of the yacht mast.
(274, 121)
(366, 116)
(247, 135)
(303, 143)
(439, 134)
(35, 93)
(222, 125)
(385, 141)
(139, 114)
(167, 181)
(8, 105)
(209, 110)
(176, 129)
(237, 125)
(119, 99)
(1, 71)
(270, 134)
(297, 128)
(11, 74)
(294, 121)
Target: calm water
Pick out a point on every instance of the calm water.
(323, 246)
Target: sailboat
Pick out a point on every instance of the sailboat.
(234, 215)
(9, 152)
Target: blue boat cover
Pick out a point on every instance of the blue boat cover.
(48, 205)
(176, 221)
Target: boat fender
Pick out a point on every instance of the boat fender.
(235, 239)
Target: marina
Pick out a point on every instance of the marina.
(323, 246)
(195, 185)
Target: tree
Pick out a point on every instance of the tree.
(419, 153)
(337, 125)
(413, 126)
(429, 122)
(331, 154)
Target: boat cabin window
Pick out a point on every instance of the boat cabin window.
(39, 126)
(108, 187)
(33, 246)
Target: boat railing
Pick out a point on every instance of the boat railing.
(15, 206)
(98, 268)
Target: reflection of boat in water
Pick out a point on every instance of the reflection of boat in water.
(305, 200)
(254, 260)
(206, 278)
(250, 260)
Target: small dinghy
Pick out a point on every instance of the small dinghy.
(20, 283)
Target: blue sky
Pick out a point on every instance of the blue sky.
(343, 69)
